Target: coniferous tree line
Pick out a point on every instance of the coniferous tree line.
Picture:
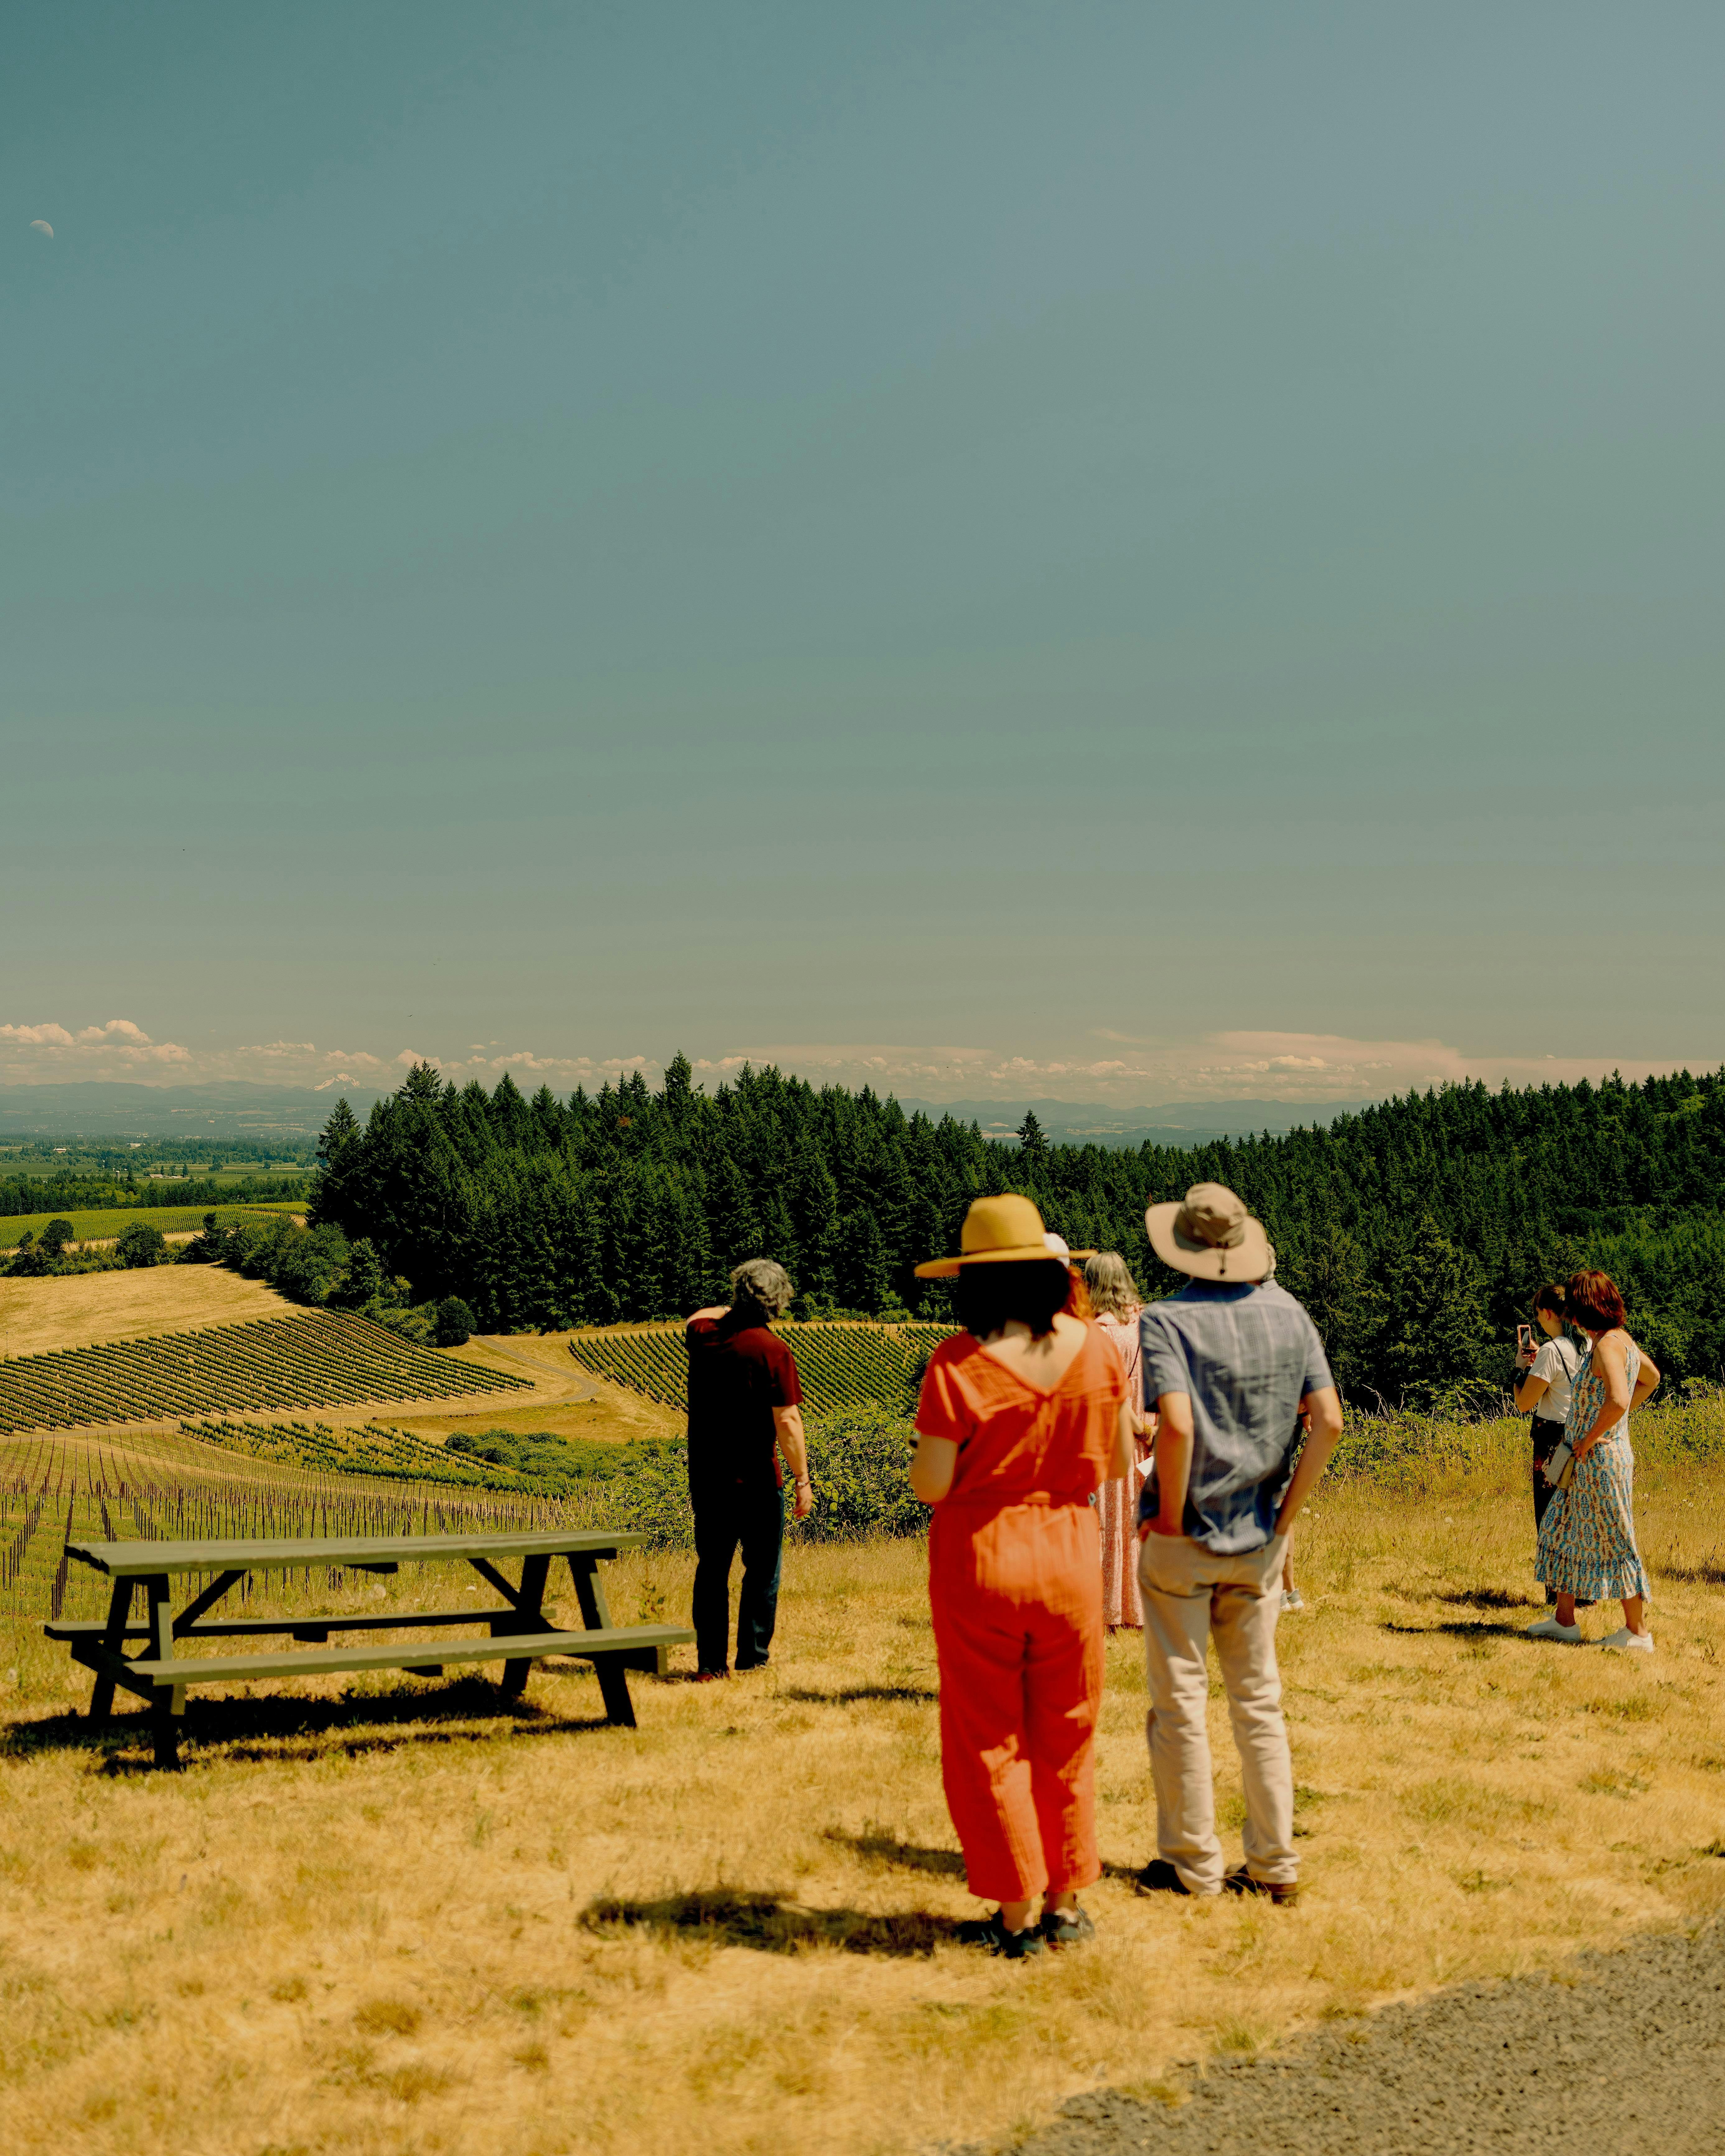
(1415, 1232)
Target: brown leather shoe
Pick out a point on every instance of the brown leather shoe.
(1284, 1892)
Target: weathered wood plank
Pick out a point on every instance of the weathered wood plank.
(400, 1655)
(145, 1560)
(249, 1628)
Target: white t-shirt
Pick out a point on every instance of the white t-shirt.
(1556, 1363)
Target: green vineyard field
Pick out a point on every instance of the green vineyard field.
(313, 1359)
(377, 1449)
(841, 1366)
(56, 1490)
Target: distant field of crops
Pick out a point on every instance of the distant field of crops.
(312, 1359)
(55, 1490)
(101, 1225)
(841, 1366)
(377, 1449)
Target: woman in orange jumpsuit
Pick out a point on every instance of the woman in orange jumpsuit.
(1022, 1416)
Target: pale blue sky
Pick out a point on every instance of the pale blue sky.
(1120, 551)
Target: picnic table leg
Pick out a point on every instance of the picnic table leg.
(170, 1700)
(101, 1699)
(534, 1572)
(596, 1615)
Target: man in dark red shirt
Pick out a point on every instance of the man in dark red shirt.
(744, 1400)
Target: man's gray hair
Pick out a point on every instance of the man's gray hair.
(762, 1283)
(1113, 1291)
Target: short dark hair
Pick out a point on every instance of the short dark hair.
(1033, 1290)
(1592, 1301)
(1552, 1297)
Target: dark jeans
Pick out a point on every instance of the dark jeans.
(1547, 1432)
(723, 1518)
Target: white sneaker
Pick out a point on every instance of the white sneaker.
(1548, 1628)
(1628, 1642)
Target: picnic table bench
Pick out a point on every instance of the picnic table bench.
(519, 1632)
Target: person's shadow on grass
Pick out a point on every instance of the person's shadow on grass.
(736, 1916)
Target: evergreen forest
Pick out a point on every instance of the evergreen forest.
(1415, 1232)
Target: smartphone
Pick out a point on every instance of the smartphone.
(1524, 1339)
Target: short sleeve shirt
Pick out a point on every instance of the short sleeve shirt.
(738, 1373)
(1017, 1445)
(1246, 1356)
(1557, 1363)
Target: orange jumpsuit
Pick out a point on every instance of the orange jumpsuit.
(1016, 1585)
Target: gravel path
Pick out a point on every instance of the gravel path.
(1624, 2057)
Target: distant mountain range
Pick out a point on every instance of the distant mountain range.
(1169, 1123)
(92, 1107)
(238, 1107)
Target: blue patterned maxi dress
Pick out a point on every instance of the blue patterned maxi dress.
(1587, 1540)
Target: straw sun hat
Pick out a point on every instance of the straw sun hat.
(1210, 1234)
(1000, 1231)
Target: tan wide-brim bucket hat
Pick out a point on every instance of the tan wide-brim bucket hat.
(1001, 1231)
(1211, 1234)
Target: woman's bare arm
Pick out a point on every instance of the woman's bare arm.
(1646, 1380)
(932, 1470)
(1612, 1363)
(1529, 1391)
(1126, 1441)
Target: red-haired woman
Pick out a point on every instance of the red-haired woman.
(1587, 1540)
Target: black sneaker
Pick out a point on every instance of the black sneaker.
(1159, 1876)
(990, 1933)
(1283, 1892)
(1068, 1928)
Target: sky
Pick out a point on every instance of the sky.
(1128, 553)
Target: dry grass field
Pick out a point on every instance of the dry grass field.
(411, 1922)
(79, 1309)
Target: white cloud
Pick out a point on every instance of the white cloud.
(1127, 1072)
(47, 1050)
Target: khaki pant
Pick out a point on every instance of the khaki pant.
(1191, 1594)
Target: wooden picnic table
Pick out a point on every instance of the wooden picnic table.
(519, 1632)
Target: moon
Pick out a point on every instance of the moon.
(42, 225)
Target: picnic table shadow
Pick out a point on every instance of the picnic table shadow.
(274, 1727)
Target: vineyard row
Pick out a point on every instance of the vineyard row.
(313, 1359)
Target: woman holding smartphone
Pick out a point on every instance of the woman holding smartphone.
(1543, 1389)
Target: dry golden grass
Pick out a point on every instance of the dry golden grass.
(416, 1924)
(81, 1309)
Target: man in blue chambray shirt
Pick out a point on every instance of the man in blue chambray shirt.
(1230, 1365)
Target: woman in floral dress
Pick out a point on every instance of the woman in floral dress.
(1587, 1540)
(1114, 1303)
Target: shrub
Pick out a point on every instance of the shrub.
(454, 1322)
(54, 1237)
(419, 1326)
(858, 1464)
(140, 1244)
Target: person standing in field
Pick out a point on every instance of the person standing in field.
(1021, 1416)
(1543, 1390)
(1115, 1302)
(1231, 1367)
(744, 1401)
(1587, 1539)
